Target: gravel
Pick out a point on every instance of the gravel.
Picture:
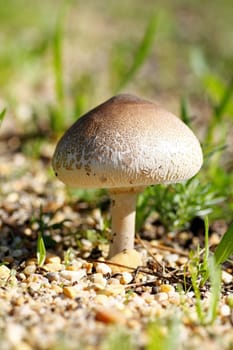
(76, 302)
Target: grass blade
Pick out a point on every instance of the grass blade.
(184, 111)
(225, 248)
(205, 265)
(220, 108)
(142, 51)
(40, 250)
(2, 114)
(57, 59)
(57, 112)
(215, 279)
(194, 278)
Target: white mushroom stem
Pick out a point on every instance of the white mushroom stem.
(123, 210)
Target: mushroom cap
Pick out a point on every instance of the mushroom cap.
(127, 142)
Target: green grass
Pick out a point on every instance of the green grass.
(199, 271)
(206, 316)
(2, 114)
(225, 247)
(44, 233)
(40, 250)
(125, 72)
(154, 51)
(177, 205)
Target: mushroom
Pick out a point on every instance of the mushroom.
(124, 145)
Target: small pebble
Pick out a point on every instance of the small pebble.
(31, 261)
(127, 258)
(4, 272)
(109, 316)
(126, 277)
(52, 259)
(30, 269)
(34, 287)
(73, 276)
(53, 276)
(56, 288)
(214, 239)
(226, 277)
(88, 266)
(182, 260)
(52, 267)
(114, 289)
(86, 245)
(171, 258)
(103, 268)
(99, 282)
(166, 288)
(70, 292)
(225, 310)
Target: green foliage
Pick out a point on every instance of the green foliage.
(45, 228)
(82, 87)
(126, 72)
(215, 282)
(96, 237)
(40, 250)
(69, 256)
(184, 113)
(222, 104)
(200, 270)
(225, 247)
(90, 196)
(177, 204)
(206, 317)
(57, 112)
(2, 114)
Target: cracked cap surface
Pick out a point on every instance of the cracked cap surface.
(127, 142)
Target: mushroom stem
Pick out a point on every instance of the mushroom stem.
(123, 210)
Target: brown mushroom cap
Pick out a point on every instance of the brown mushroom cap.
(127, 142)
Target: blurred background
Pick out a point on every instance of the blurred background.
(74, 54)
(60, 58)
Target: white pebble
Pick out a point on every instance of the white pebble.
(99, 281)
(114, 289)
(29, 270)
(86, 244)
(126, 277)
(103, 268)
(171, 258)
(226, 277)
(73, 276)
(225, 310)
(4, 272)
